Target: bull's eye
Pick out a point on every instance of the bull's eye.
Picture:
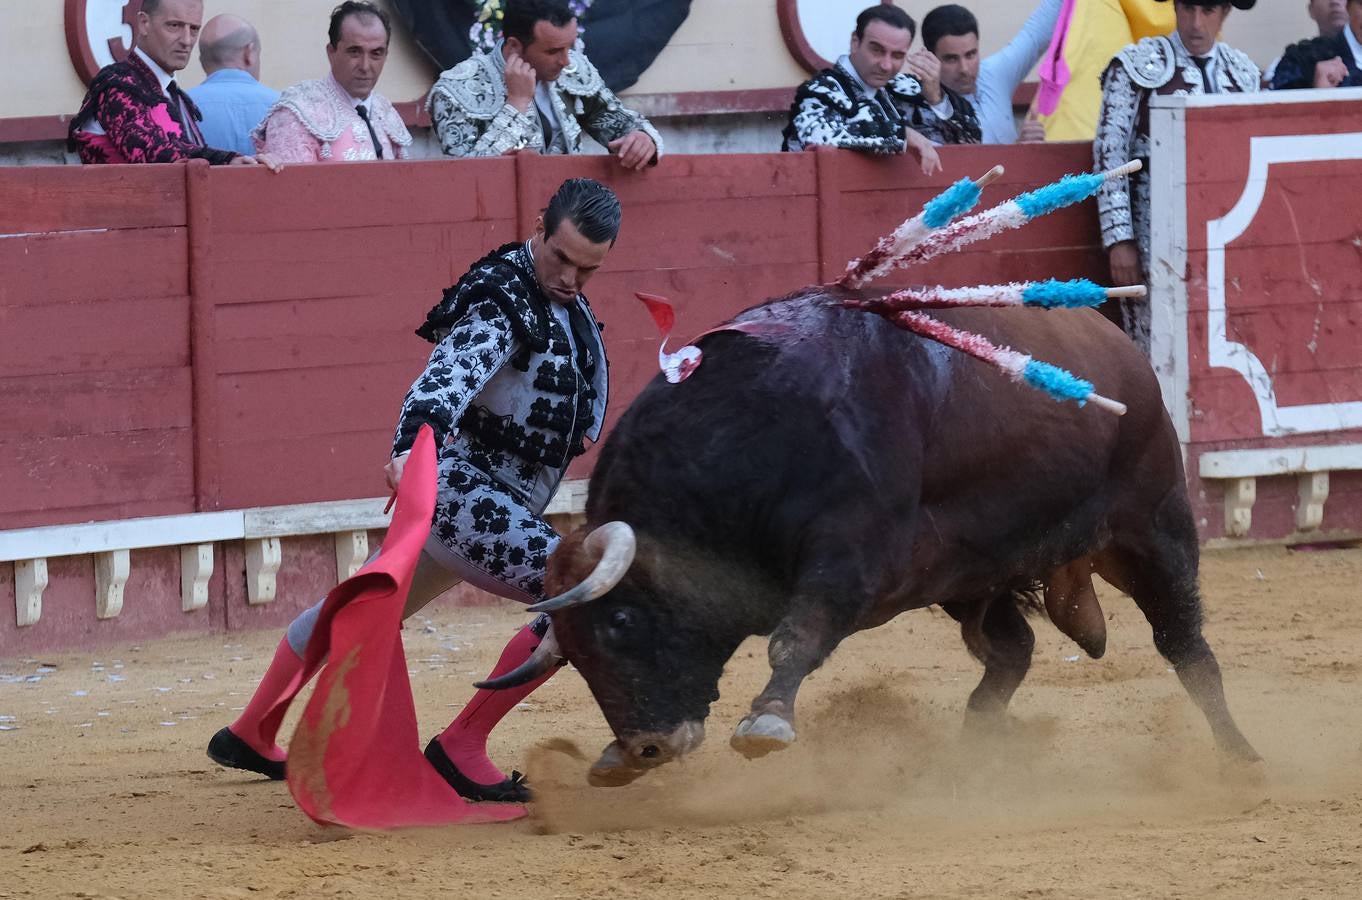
(620, 620)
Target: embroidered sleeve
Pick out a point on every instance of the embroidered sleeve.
(1111, 148)
(460, 366)
(606, 119)
(961, 127)
(462, 135)
(142, 134)
(819, 119)
(287, 139)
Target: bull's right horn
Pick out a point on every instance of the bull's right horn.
(612, 544)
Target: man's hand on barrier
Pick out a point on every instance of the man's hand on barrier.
(924, 150)
(260, 159)
(634, 151)
(1032, 129)
(393, 470)
(1124, 259)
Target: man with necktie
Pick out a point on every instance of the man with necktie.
(134, 112)
(535, 91)
(865, 102)
(340, 117)
(1190, 60)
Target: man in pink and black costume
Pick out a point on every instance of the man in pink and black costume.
(514, 388)
(134, 112)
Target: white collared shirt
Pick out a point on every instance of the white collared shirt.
(1353, 44)
(1212, 64)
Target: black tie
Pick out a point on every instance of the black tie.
(1201, 63)
(546, 126)
(373, 135)
(180, 114)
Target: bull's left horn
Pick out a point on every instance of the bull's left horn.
(542, 659)
(613, 546)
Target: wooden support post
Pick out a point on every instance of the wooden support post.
(196, 567)
(352, 549)
(263, 556)
(111, 573)
(30, 580)
(1313, 490)
(1239, 496)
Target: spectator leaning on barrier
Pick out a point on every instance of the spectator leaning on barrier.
(1330, 17)
(515, 386)
(231, 98)
(134, 112)
(1190, 60)
(1324, 62)
(340, 117)
(952, 33)
(533, 91)
(865, 102)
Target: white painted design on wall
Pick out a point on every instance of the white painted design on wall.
(104, 23)
(1265, 152)
(828, 24)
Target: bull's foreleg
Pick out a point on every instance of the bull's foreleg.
(798, 645)
(997, 633)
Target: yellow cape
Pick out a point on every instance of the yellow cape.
(1097, 32)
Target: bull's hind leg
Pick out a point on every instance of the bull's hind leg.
(1159, 570)
(998, 635)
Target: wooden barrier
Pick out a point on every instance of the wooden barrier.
(184, 340)
(1257, 292)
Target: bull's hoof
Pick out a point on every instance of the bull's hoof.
(765, 734)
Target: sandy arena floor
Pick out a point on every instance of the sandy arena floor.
(1106, 787)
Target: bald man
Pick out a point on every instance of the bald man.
(231, 98)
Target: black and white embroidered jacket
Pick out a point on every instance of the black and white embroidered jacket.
(831, 109)
(508, 389)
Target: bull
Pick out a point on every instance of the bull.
(828, 475)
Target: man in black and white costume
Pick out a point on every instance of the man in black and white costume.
(1189, 60)
(515, 386)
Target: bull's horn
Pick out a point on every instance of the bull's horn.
(613, 546)
(542, 659)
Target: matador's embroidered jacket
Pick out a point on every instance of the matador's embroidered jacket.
(1156, 66)
(507, 389)
(830, 109)
(472, 118)
(125, 99)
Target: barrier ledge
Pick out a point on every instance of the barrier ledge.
(195, 533)
(1311, 465)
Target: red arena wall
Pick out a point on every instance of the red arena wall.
(1258, 309)
(182, 339)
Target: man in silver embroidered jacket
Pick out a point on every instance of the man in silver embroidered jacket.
(1190, 60)
(515, 386)
(865, 102)
(534, 91)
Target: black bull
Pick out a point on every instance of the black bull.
(818, 482)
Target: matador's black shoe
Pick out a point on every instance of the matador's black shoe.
(512, 790)
(226, 749)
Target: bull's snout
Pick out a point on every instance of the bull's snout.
(625, 760)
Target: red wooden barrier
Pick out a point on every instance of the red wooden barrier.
(178, 338)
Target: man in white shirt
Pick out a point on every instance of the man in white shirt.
(952, 33)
